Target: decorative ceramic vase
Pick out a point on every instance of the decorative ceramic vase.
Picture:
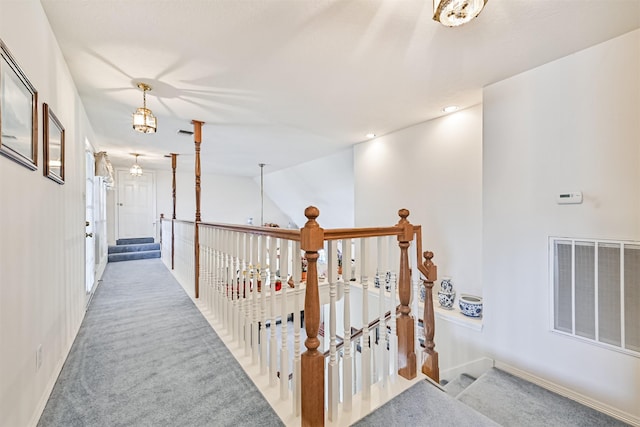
(470, 305)
(446, 294)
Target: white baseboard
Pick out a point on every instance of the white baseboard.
(37, 413)
(475, 368)
(563, 391)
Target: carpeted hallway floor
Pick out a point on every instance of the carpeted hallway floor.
(145, 356)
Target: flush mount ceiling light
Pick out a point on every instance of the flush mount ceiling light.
(136, 170)
(143, 119)
(453, 13)
(370, 135)
(450, 109)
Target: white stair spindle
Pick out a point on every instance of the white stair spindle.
(248, 312)
(255, 276)
(273, 340)
(347, 361)
(415, 298)
(394, 260)
(284, 314)
(383, 355)
(297, 368)
(263, 305)
(334, 384)
(366, 350)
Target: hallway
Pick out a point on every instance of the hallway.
(144, 355)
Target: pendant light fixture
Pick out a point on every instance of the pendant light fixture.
(453, 13)
(136, 170)
(143, 119)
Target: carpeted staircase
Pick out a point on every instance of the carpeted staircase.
(512, 401)
(136, 248)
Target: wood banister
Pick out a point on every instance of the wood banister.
(430, 365)
(197, 139)
(311, 241)
(405, 322)
(174, 164)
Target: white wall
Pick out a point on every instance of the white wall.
(223, 199)
(42, 296)
(434, 169)
(326, 183)
(573, 124)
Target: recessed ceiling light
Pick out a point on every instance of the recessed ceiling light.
(450, 109)
(370, 135)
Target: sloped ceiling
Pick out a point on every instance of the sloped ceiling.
(283, 82)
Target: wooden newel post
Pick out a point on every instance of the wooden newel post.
(197, 139)
(430, 365)
(311, 241)
(405, 322)
(174, 164)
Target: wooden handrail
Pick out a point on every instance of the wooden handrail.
(281, 233)
(358, 333)
(360, 233)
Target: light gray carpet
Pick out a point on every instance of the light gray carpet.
(145, 356)
(455, 387)
(425, 405)
(511, 401)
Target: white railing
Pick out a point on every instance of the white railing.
(252, 289)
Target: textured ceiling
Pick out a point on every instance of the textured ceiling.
(282, 82)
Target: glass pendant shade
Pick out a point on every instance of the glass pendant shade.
(453, 13)
(143, 119)
(136, 170)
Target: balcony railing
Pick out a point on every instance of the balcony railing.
(350, 294)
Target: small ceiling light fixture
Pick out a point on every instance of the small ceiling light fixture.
(370, 135)
(453, 13)
(143, 119)
(136, 170)
(450, 109)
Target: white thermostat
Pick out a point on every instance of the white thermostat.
(572, 198)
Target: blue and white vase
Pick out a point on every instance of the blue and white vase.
(446, 294)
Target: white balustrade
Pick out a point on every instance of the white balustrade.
(245, 279)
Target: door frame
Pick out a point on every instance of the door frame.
(153, 201)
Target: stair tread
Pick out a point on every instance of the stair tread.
(127, 256)
(114, 249)
(134, 240)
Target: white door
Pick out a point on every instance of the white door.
(89, 241)
(136, 205)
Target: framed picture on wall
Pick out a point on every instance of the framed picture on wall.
(18, 113)
(53, 137)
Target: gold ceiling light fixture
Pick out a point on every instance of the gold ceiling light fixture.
(453, 13)
(136, 170)
(143, 119)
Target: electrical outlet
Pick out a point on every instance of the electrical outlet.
(39, 357)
